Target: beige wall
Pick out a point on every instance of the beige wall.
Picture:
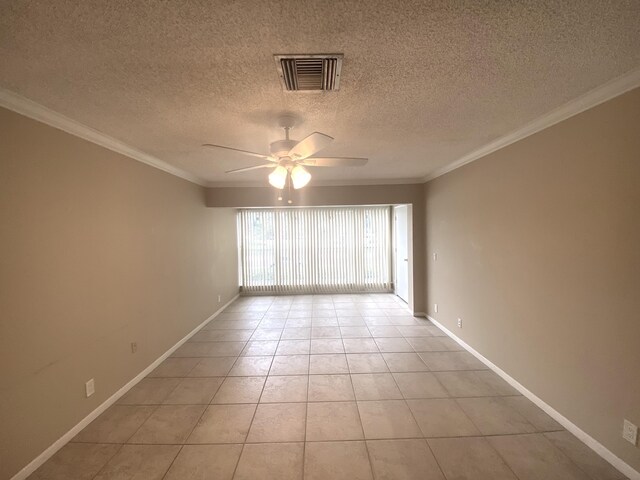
(98, 251)
(412, 194)
(539, 253)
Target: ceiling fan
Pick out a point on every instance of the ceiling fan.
(288, 159)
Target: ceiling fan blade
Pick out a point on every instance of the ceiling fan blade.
(334, 162)
(246, 169)
(253, 154)
(310, 145)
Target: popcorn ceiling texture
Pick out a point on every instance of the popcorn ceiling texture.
(423, 82)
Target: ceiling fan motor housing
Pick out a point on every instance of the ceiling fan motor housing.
(282, 147)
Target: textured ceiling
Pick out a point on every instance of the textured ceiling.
(422, 84)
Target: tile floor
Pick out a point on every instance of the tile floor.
(323, 387)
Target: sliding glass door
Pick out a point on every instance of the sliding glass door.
(315, 250)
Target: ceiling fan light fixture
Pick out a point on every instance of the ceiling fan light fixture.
(299, 176)
(278, 178)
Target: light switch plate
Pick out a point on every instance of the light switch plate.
(630, 432)
(90, 388)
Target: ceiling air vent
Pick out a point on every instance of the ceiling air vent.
(309, 73)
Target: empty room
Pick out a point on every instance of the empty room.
(319, 240)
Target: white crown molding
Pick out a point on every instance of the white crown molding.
(598, 95)
(64, 439)
(31, 109)
(587, 439)
(323, 183)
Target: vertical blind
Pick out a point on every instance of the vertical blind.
(315, 250)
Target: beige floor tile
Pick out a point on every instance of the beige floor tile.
(433, 344)
(366, 363)
(354, 320)
(403, 460)
(223, 424)
(260, 347)
(77, 461)
(296, 333)
(387, 419)
(116, 425)
(328, 364)
(337, 461)
(375, 386)
(294, 347)
(271, 461)
(282, 389)
(465, 384)
(326, 345)
(393, 345)
(493, 416)
(169, 424)
(213, 367)
(497, 384)
(384, 331)
(211, 335)
(404, 362)
(469, 458)
(414, 331)
(442, 418)
(302, 322)
(441, 361)
(585, 458)
(290, 365)
(209, 349)
(330, 388)
(333, 421)
(251, 366)
(360, 345)
(150, 391)
(354, 332)
(534, 415)
(194, 391)
(267, 334)
(174, 367)
(534, 457)
(205, 462)
(139, 462)
(278, 422)
(419, 385)
(272, 323)
(240, 390)
(323, 322)
(325, 331)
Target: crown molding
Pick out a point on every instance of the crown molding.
(322, 183)
(28, 108)
(598, 95)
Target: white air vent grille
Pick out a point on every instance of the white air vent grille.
(309, 72)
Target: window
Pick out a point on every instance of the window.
(315, 250)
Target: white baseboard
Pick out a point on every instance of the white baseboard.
(64, 439)
(591, 442)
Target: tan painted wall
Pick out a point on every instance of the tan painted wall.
(412, 194)
(98, 250)
(539, 253)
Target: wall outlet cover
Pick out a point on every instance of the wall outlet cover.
(134, 347)
(435, 307)
(459, 323)
(219, 298)
(630, 432)
(90, 388)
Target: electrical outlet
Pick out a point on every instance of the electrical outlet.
(134, 347)
(90, 388)
(459, 323)
(219, 298)
(630, 432)
(435, 257)
(435, 307)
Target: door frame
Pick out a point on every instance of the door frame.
(409, 251)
